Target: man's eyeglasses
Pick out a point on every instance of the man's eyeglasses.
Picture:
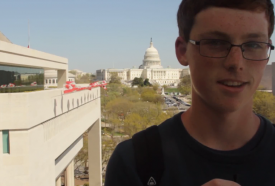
(215, 48)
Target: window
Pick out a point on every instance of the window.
(6, 141)
(21, 77)
(46, 81)
(53, 81)
(50, 81)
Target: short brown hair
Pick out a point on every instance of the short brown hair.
(188, 10)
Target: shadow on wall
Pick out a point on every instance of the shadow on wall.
(54, 109)
(68, 105)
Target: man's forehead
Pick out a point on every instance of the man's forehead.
(224, 35)
(223, 22)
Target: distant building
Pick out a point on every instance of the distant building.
(266, 82)
(50, 77)
(151, 68)
(79, 72)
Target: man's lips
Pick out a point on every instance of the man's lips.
(232, 86)
(232, 82)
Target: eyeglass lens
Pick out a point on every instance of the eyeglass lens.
(220, 49)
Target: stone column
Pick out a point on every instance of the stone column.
(62, 76)
(273, 78)
(69, 174)
(58, 182)
(94, 153)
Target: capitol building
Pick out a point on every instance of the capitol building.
(150, 69)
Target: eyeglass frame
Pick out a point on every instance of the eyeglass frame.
(240, 46)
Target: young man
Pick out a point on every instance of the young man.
(219, 141)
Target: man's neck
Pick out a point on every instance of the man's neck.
(218, 130)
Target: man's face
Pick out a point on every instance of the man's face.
(209, 75)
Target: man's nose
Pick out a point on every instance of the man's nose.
(234, 60)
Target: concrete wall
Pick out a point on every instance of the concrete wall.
(26, 110)
(266, 82)
(46, 130)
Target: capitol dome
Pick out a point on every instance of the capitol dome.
(151, 58)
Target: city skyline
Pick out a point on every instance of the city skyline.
(96, 35)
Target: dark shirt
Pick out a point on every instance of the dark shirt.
(189, 163)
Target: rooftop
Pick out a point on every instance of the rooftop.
(4, 38)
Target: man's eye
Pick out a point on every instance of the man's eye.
(253, 45)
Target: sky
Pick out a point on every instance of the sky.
(95, 34)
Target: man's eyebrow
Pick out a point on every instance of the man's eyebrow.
(208, 35)
(255, 36)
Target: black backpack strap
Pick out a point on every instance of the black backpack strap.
(149, 156)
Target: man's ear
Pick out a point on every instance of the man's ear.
(181, 47)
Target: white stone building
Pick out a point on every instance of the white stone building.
(79, 72)
(151, 68)
(50, 78)
(42, 131)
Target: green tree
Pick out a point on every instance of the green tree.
(131, 94)
(144, 115)
(150, 95)
(146, 82)
(264, 104)
(185, 86)
(138, 82)
(165, 87)
(115, 78)
(108, 146)
(134, 123)
(87, 78)
(120, 107)
(155, 86)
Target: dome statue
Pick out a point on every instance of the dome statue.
(151, 58)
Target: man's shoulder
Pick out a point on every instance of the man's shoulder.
(168, 128)
(266, 121)
(125, 147)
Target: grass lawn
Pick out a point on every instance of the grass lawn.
(169, 90)
(118, 134)
(109, 132)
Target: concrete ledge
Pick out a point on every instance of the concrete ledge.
(19, 51)
(22, 111)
